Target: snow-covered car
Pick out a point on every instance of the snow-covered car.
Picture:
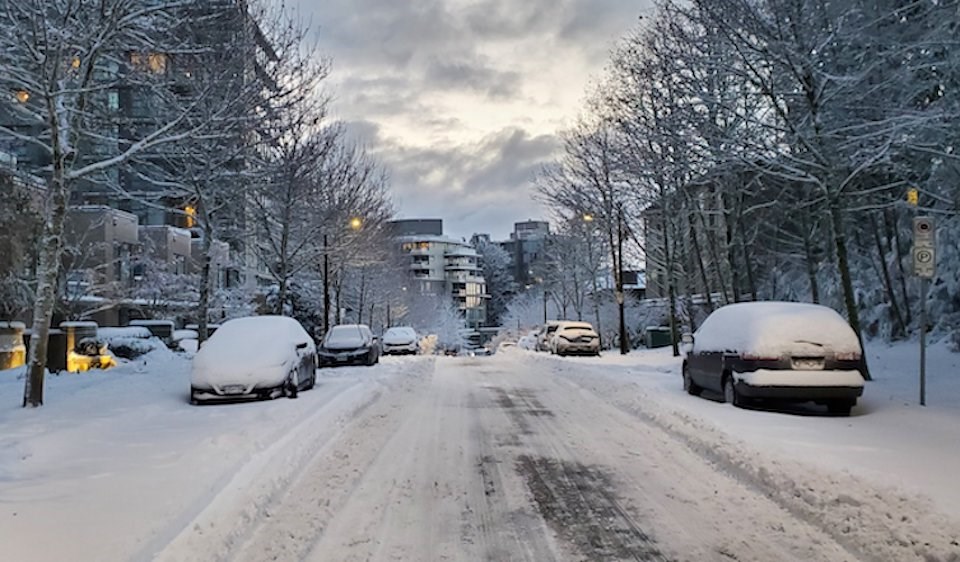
(349, 344)
(254, 357)
(575, 338)
(528, 341)
(545, 334)
(776, 351)
(401, 340)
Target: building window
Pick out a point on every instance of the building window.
(113, 100)
(155, 63)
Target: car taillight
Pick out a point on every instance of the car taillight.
(848, 356)
(757, 357)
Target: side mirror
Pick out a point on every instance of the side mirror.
(302, 345)
(686, 339)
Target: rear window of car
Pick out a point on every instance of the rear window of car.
(341, 333)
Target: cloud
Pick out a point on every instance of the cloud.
(471, 185)
(461, 99)
(473, 74)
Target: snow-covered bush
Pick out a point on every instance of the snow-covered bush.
(129, 342)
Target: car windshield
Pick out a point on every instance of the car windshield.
(400, 333)
(344, 334)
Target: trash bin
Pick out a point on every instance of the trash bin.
(57, 351)
(657, 336)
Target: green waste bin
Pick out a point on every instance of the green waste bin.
(657, 336)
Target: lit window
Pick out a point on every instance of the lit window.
(22, 96)
(151, 62)
(113, 100)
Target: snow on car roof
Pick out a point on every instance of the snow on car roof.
(771, 328)
(576, 325)
(257, 340)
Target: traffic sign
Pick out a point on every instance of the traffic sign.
(923, 232)
(924, 262)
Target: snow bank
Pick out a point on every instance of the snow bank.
(774, 328)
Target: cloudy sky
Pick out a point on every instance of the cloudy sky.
(461, 99)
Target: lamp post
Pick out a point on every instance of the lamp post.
(624, 342)
(326, 287)
(355, 224)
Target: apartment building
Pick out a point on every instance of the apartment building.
(444, 267)
(209, 38)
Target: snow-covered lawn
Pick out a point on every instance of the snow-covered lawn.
(889, 439)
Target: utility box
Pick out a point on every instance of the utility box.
(657, 336)
(13, 352)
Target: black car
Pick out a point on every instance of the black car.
(349, 344)
(776, 351)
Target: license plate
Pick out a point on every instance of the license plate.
(234, 389)
(343, 357)
(808, 364)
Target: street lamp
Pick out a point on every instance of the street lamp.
(616, 252)
(356, 223)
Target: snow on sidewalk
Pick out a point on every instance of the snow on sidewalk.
(889, 440)
(116, 462)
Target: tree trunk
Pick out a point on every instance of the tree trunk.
(698, 254)
(47, 274)
(887, 283)
(810, 262)
(898, 246)
(849, 297)
(203, 304)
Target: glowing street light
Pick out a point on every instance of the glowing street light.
(23, 96)
(356, 223)
(587, 217)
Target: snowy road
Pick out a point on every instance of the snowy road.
(512, 457)
(502, 459)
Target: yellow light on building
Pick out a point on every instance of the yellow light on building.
(23, 96)
(356, 223)
(191, 213)
(75, 63)
(587, 217)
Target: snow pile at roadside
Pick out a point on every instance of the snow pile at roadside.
(886, 523)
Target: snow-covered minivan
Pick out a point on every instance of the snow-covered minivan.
(776, 351)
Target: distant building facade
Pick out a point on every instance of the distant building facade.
(443, 267)
(527, 248)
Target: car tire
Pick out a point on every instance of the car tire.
(290, 388)
(692, 388)
(730, 393)
(313, 381)
(840, 407)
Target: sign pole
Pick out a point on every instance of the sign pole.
(924, 283)
(924, 267)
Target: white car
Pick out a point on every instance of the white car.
(575, 338)
(776, 351)
(254, 357)
(401, 340)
